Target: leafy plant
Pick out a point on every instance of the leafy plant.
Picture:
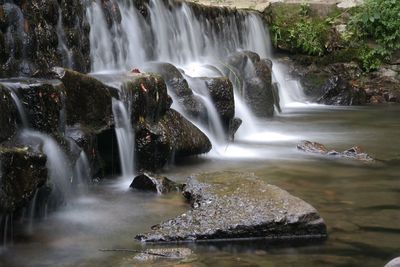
(296, 30)
(378, 23)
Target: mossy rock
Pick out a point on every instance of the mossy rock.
(88, 101)
(22, 172)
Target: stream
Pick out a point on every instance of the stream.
(359, 202)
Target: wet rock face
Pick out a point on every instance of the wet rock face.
(355, 152)
(154, 183)
(340, 92)
(21, 173)
(42, 101)
(88, 101)
(238, 205)
(254, 78)
(178, 87)
(87, 140)
(7, 115)
(172, 136)
(30, 32)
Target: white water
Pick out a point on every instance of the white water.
(82, 172)
(290, 91)
(58, 164)
(32, 209)
(62, 46)
(119, 47)
(200, 90)
(21, 112)
(125, 137)
(6, 221)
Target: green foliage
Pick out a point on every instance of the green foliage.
(377, 22)
(296, 30)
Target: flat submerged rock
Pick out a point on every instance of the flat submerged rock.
(233, 205)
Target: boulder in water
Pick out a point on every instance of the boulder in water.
(221, 92)
(231, 205)
(155, 183)
(253, 77)
(172, 136)
(22, 171)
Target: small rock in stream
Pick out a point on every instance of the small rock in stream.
(233, 205)
(164, 254)
(355, 152)
(158, 184)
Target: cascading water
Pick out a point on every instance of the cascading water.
(214, 121)
(62, 46)
(125, 136)
(190, 42)
(259, 41)
(119, 46)
(20, 108)
(58, 165)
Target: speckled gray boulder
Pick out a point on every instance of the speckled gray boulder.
(230, 205)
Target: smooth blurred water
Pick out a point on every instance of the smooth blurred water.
(359, 202)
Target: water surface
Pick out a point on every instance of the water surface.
(359, 202)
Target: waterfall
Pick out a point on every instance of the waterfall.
(214, 122)
(82, 172)
(291, 92)
(192, 42)
(62, 46)
(6, 230)
(125, 137)
(116, 46)
(58, 164)
(17, 102)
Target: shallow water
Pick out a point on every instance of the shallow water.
(359, 202)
